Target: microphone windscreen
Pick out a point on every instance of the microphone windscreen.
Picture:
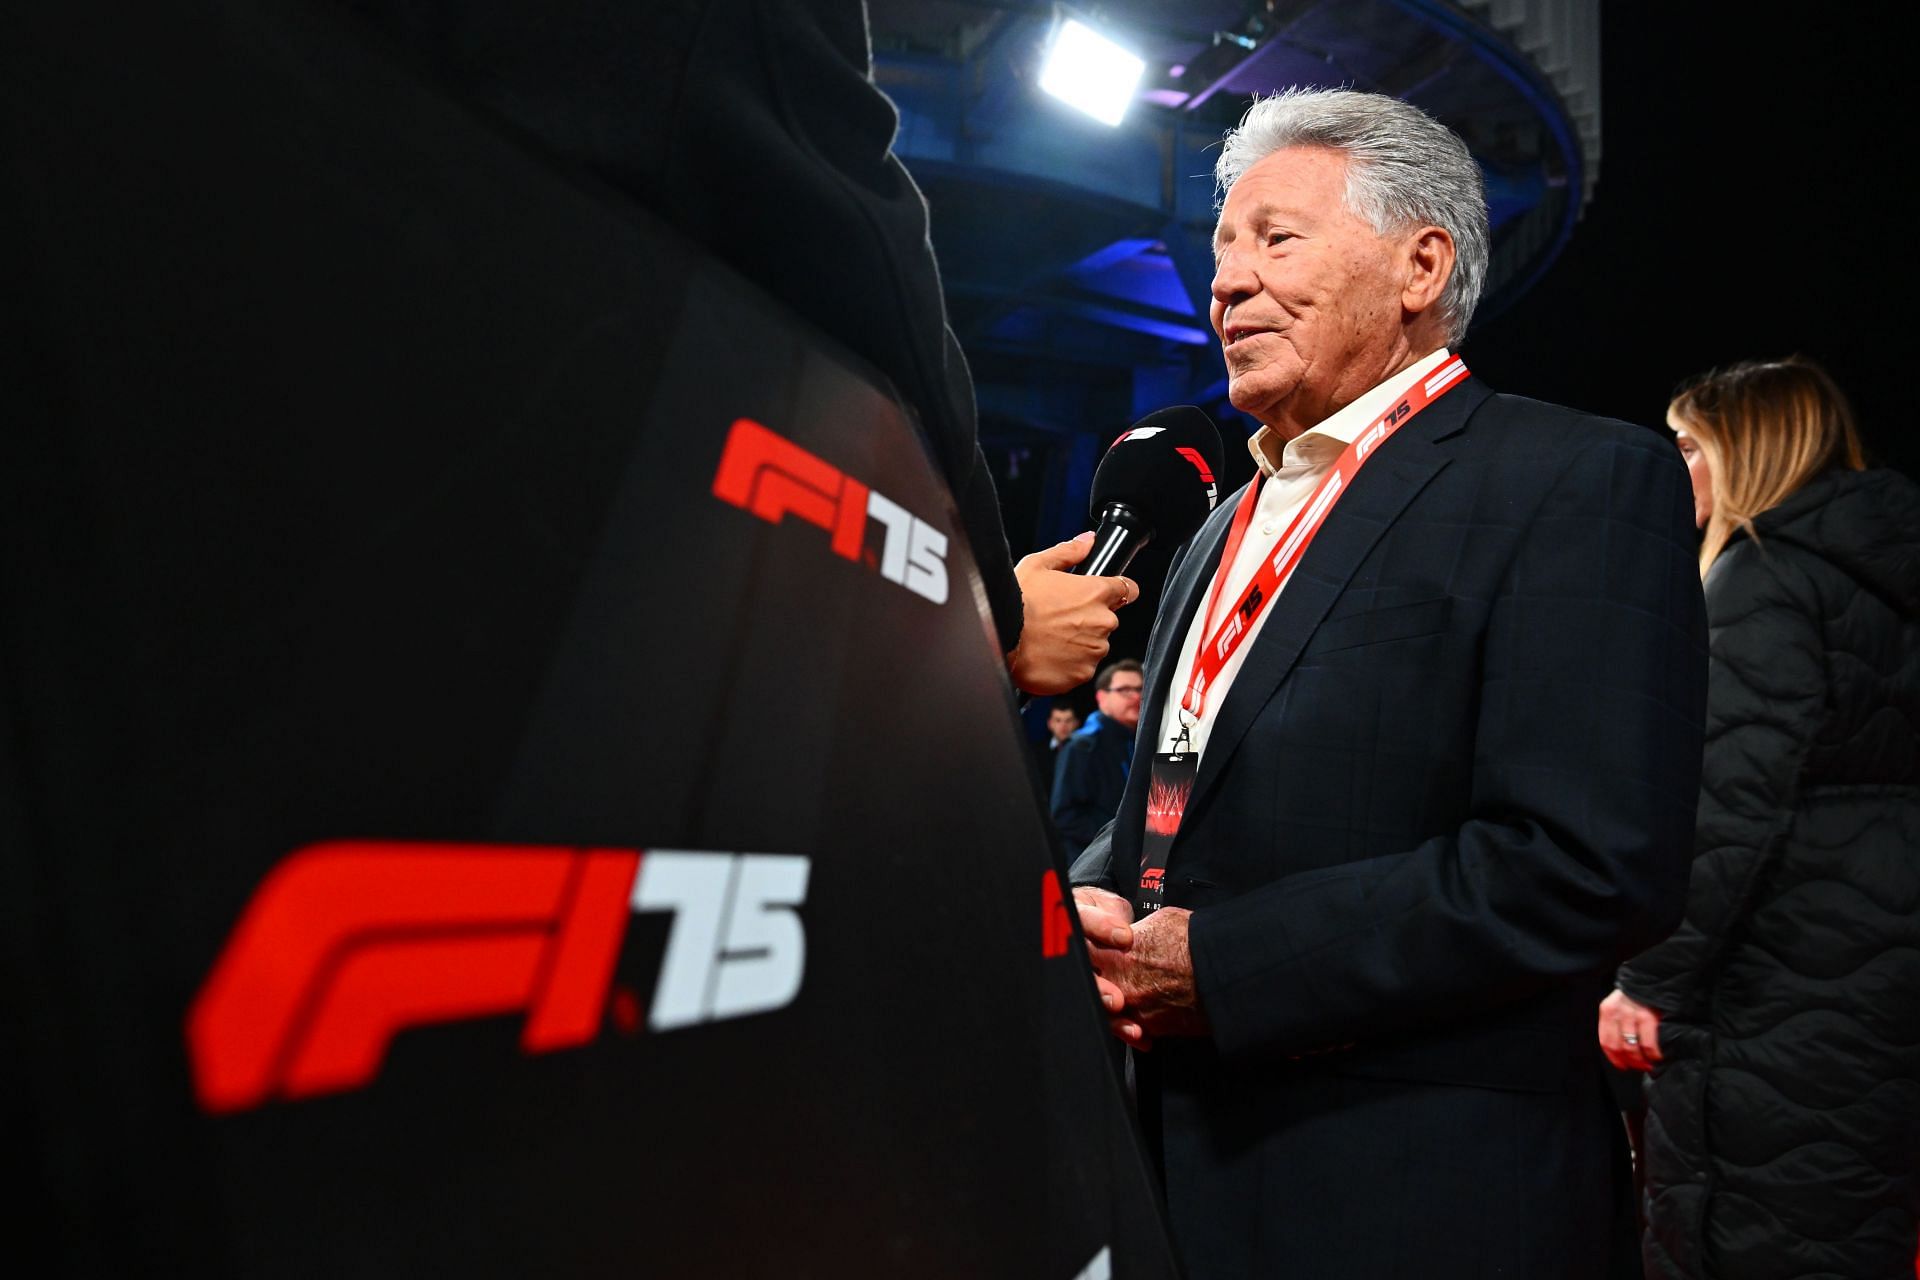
(1165, 467)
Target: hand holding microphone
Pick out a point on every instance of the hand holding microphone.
(1066, 618)
(1156, 482)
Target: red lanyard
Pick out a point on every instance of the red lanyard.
(1223, 640)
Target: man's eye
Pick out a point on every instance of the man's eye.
(1277, 237)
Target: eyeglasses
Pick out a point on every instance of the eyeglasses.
(1127, 688)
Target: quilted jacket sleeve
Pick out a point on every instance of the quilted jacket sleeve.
(1766, 691)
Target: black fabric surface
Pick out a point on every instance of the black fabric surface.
(753, 128)
(357, 483)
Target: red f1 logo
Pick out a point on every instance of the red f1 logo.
(347, 943)
(1199, 461)
(772, 477)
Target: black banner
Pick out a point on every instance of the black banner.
(505, 768)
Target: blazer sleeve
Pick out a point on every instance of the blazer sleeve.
(1766, 694)
(1094, 866)
(1586, 762)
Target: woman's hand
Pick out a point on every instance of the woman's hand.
(1629, 1033)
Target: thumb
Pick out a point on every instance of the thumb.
(1064, 555)
(1122, 591)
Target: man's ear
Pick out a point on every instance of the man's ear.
(1429, 266)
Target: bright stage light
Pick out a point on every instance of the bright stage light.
(1086, 70)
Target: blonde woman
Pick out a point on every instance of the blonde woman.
(1781, 1022)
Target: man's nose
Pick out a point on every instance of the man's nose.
(1233, 278)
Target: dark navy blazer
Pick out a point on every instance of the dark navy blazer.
(1451, 787)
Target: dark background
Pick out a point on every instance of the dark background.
(1746, 208)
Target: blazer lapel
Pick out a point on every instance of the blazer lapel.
(1378, 495)
(1184, 594)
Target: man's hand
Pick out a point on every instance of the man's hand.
(1066, 619)
(1629, 1033)
(1107, 921)
(1152, 981)
(1106, 918)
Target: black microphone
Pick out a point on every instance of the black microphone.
(1157, 483)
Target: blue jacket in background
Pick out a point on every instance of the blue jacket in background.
(1089, 776)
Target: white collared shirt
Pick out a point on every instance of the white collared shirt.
(1290, 482)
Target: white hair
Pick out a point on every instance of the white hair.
(1404, 169)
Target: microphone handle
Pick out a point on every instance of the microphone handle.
(1123, 531)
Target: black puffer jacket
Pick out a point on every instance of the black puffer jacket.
(1783, 1133)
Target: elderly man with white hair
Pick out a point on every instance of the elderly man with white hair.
(1418, 758)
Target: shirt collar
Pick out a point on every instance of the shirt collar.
(1321, 444)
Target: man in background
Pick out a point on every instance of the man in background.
(1090, 771)
(1062, 721)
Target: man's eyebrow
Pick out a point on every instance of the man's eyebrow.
(1220, 237)
(1258, 214)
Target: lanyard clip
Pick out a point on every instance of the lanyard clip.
(1182, 742)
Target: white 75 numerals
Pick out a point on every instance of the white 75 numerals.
(914, 552)
(737, 945)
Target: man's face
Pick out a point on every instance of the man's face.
(1061, 723)
(1120, 700)
(1306, 295)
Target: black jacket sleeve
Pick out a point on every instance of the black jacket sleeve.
(1766, 690)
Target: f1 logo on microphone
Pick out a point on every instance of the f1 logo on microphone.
(1199, 462)
(772, 477)
(347, 943)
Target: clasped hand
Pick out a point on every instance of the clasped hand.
(1142, 970)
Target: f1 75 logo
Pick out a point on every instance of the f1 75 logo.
(347, 943)
(773, 478)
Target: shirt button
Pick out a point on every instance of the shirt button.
(1266, 530)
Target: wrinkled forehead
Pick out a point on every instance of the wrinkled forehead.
(1304, 185)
